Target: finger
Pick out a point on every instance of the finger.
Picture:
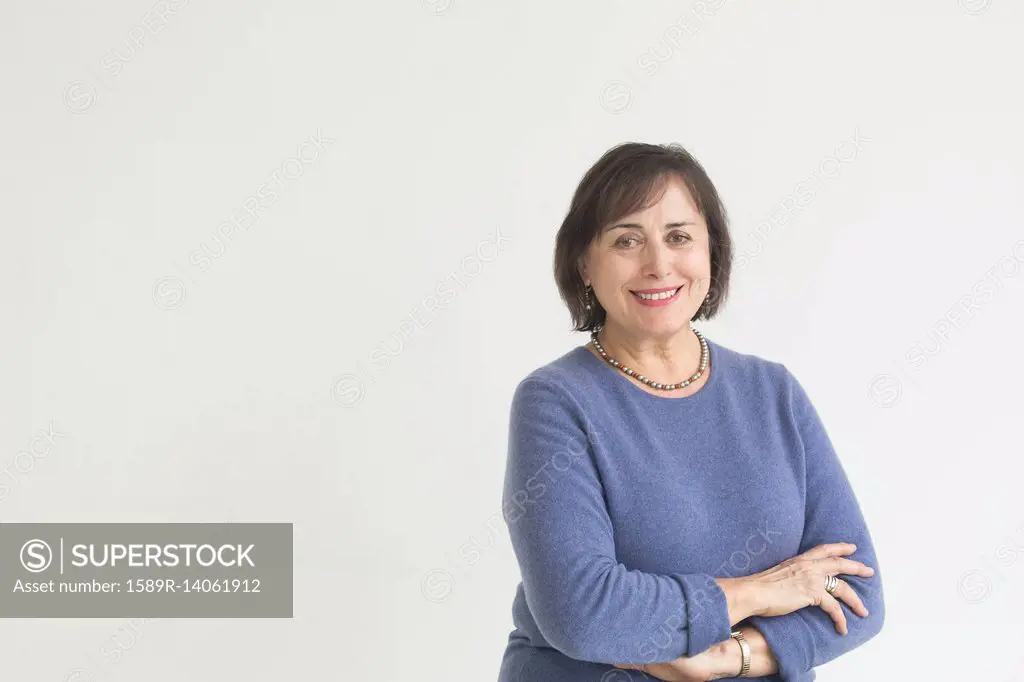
(830, 550)
(849, 567)
(830, 606)
(847, 594)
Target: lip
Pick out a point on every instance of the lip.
(654, 291)
(659, 303)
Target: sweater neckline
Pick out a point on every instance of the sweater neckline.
(714, 367)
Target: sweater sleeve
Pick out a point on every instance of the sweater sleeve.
(586, 604)
(807, 638)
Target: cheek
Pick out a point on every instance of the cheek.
(696, 260)
(615, 274)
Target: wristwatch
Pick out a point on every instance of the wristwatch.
(745, 650)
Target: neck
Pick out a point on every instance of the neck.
(674, 356)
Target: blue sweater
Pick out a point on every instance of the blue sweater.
(623, 506)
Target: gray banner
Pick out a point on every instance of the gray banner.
(145, 570)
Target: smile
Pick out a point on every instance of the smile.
(659, 299)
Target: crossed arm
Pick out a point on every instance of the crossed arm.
(593, 608)
(721, 660)
(792, 644)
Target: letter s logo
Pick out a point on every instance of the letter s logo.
(36, 556)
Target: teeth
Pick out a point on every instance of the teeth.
(658, 297)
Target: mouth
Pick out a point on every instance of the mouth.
(656, 296)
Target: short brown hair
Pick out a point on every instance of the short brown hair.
(631, 177)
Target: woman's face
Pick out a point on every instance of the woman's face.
(664, 247)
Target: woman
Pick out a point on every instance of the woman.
(675, 506)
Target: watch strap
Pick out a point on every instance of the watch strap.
(744, 650)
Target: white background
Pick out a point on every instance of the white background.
(222, 395)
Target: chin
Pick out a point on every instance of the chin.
(665, 328)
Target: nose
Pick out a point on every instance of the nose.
(657, 260)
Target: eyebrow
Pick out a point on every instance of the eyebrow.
(640, 227)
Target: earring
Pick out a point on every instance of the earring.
(590, 296)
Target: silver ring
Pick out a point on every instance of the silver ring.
(831, 583)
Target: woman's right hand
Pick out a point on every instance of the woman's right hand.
(800, 582)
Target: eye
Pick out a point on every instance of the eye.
(683, 237)
(624, 242)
